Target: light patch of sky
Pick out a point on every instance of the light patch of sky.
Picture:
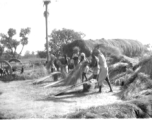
(126, 19)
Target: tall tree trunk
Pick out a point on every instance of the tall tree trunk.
(21, 51)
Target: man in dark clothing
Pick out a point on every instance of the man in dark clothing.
(75, 56)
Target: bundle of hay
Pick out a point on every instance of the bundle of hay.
(143, 66)
(145, 107)
(120, 79)
(109, 49)
(116, 47)
(113, 47)
(146, 65)
(117, 69)
(135, 85)
(130, 48)
(117, 110)
(72, 77)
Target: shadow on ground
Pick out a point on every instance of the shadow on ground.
(14, 77)
(63, 96)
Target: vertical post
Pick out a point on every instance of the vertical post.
(46, 21)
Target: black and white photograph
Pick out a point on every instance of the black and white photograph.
(75, 59)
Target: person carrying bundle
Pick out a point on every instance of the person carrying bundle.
(103, 74)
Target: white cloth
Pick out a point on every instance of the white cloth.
(86, 70)
(103, 68)
(75, 55)
(96, 69)
(64, 68)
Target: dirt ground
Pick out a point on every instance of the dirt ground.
(21, 99)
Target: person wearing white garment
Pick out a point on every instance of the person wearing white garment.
(103, 74)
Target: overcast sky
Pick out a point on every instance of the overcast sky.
(124, 19)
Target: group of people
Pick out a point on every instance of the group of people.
(95, 63)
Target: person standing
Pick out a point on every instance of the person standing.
(95, 67)
(86, 67)
(64, 63)
(75, 57)
(103, 74)
(51, 63)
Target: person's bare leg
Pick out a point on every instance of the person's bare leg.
(100, 86)
(85, 77)
(108, 81)
(100, 89)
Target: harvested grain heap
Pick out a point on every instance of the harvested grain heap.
(146, 65)
(136, 86)
(116, 47)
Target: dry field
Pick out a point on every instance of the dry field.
(22, 99)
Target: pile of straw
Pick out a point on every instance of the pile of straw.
(135, 85)
(116, 47)
(116, 69)
(146, 65)
(73, 77)
(117, 110)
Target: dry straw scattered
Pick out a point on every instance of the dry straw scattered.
(118, 110)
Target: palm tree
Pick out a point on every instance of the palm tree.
(24, 39)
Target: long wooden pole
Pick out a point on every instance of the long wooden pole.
(46, 21)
